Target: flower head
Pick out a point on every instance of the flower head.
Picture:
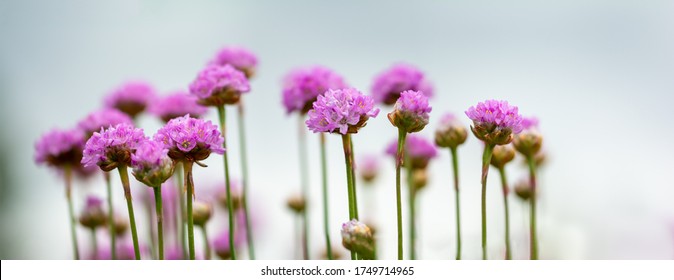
(297, 203)
(501, 155)
(494, 121)
(400, 77)
(202, 212)
(113, 146)
(302, 86)
(93, 215)
(218, 85)
(410, 111)
(341, 111)
(528, 142)
(451, 132)
(177, 104)
(101, 119)
(419, 150)
(151, 163)
(242, 59)
(190, 139)
(58, 148)
(131, 98)
(235, 190)
(221, 242)
(368, 166)
(357, 237)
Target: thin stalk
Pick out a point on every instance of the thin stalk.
(353, 179)
(346, 145)
(230, 207)
(455, 168)
(150, 230)
(399, 162)
(207, 246)
(412, 195)
(304, 176)
(94, 243)
(486, 159)
(324, 172)
(68, 174)
(504, 184)
(124, 175)
(180, 217)
(532, 220)
(244, 181)
(111, 216)
(160, 220)
(189, 186)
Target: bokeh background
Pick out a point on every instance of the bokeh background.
(598, 75)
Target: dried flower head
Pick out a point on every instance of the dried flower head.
(400, 77)
(190, 139)
(177, 104)
(242, 59)
(103, 118)
(218, 85)
(451, 132)
(410, 111)
(341, 111)
(151, 164)
(357, 237)
(302, 86)
(495, 121)
(131, 98)
(58, 148)
(113, 146)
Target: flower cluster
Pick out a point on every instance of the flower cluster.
(93, 215)
(400, 77)
(410, 111)
(151, 163)
(450, 133)
(218, 85)
(131, 98)
(418, 150)
(302, 86)
(101, 119)
(59, 148)
(341, 111)
(494, 121)
(177, 104)
(190, 139)
(240, 58)
(113, 146)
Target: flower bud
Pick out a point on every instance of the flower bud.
(92, 215)
(528, 142)
(523, 190)
(121, 225)
(451, 132)
(501, 155)
(297, 204)
(201, 212)
(357, 237)
(419, 179)
(410, 112)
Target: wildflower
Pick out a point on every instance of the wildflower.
(240, 58)
(302, 86)
(389, 84)
(92, 215)
(219, 85)
(419, 151)
(450, 133)
(410, 112)
(151, 163)
(177, 104)
(102, 118)
(357, 237)
(113, 146)
(495, 122)
(341, 111)
(190, 139)
(132, 98)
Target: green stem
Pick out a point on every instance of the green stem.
(412, 205)
(111, 216)
(504, 184)
(230, 207)
(346, 145)
(304, 175)
(207, 246)
(160, 220)
(486, 159)
(150, 230)
(180, 217)
(244, 181)
(124, 175)
(532, 220)
(455, 167)
(94, 243)
(189, 186)
(324, 172)
(353, 179)
(399, 162)
(68, 174)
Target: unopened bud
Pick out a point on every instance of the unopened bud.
(201, 212)
(357, 237)
(297, 203)
(501, 155)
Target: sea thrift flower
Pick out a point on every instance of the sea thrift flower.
(113, 146)
(221, 243)
(237, 198)
(410, 111)
(240, 58)
(523, 189)
(357, 237)
(400, 77)
(529, 140)
(419, 150)
(131, 98)
(219, 85)
(102, 118)
(202, 212)
(341, 111)
(302, 86)
(59, 148)
(368, 167)
(296, 203)
(177, 104)
(151, 164)
(495, 122)
(92, 215)
(501, 155)
(451, 132)
(190, 139)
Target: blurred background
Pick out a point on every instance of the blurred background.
(597, 74)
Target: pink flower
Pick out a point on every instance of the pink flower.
(341, 111)
(400, 77)
(302, 86)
